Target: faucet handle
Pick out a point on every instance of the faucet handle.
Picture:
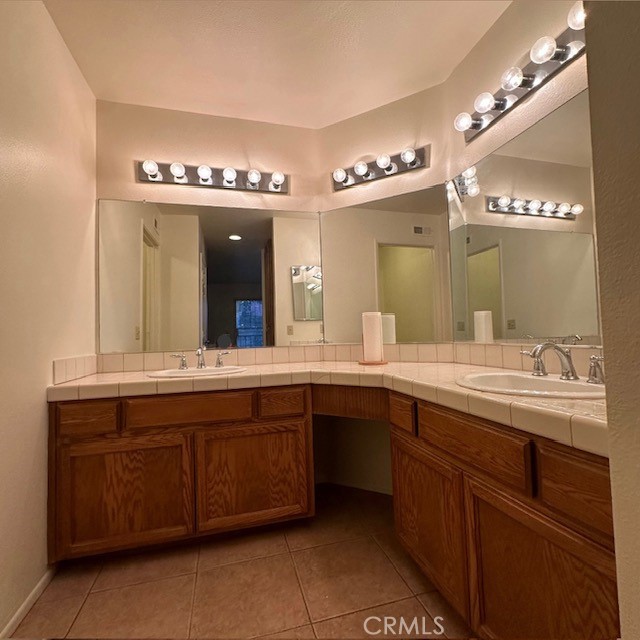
(596, 374)
(526, 353)
(597, 358)
(183, 360)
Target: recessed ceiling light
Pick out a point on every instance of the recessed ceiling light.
(235, 237)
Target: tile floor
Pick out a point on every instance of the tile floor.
(315, 579)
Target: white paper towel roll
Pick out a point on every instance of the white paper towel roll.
(389, 328)
(483, 326)
(372, 336)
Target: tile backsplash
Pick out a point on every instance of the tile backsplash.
(506, 356)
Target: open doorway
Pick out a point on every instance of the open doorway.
(406, 287)
(484, 286)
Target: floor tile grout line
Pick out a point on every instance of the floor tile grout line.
(230, 564)
(84, 601)
(398, 570)
(150, 581)
(374, 606)
(302, 592)
(193, 595)
(363, 536)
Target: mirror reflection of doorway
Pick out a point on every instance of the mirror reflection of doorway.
(150, 293)
(406, 286)
(484, 286)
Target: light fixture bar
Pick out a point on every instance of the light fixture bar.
(383, 166)
(538, 208)
(570, 46)
(212, 177)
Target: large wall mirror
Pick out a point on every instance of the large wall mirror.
(391, 256)
(536, 274)
(174, 277)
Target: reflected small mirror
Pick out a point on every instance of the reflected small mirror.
(518, 251)
(306, 281)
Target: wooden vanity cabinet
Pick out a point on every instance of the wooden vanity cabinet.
(131, 472)
(429, 516)
(531, 577)
(513, 529)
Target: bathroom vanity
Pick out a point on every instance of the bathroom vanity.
(515, 530)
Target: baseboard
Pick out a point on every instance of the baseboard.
(19, 615)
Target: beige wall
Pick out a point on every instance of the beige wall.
(296, 241)
(350, 239)
(120, 233)
(613, 34)
(47, 204)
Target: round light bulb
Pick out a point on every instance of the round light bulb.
(576, 17)
(340, 175)
(512, 78)
(361, 168)
(254, 176)
(577, 209)
(565, 207)
(235, 237)
(383, 161)
(470, 181)
(150, 167)
(177, 170)
(543, 50)
(534, 206)
(408, 155)
(518, 203)
(484, 102)
(473, 190)
(463, 121)
(504, 201)
(204, 172)
(549, 206)
(469, 173)
(229, 174)
(277, 177)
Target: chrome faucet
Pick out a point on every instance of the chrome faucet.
(183, 360)
(596, 374)
(566, 363)
(202, 364)
(219, 362)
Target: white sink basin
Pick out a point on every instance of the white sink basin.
(196, 373)
(524, 384)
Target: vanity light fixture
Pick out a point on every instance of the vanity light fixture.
(385, 165)
(467, 183)
(206, 176)
(535, 207)
(548, 56)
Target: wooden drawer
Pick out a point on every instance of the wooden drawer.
(163, 411)
(493, 451)
(88, 418)
(288, 401)
(576, 485)
(403, 412)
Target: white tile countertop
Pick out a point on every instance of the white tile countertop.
(578, 423)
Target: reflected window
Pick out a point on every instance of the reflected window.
(249, 323)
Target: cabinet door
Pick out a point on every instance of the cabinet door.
(124, 492)
(533, 578)
(253, 474)
(429, 516)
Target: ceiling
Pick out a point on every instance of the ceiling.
(564, 136)
(303, 63)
